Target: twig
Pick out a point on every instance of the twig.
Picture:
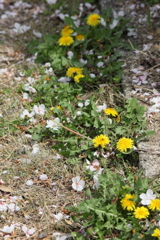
(135, 48)
(143, 53)
(70, 130)
(114, 235)
(153, 67)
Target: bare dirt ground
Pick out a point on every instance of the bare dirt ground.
(39, 202)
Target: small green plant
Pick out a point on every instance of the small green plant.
(119, 208)
(90, 129)
(94, 49)
(81, 63)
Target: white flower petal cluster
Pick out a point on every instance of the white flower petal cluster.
(35, 149)
(156, 101)
(21, 4)
(147, 197)
(132, 32)
(25, 96)
(153, 109)
(19, 29)
(114, 24)
(49, 71)
(29, 182)
(7, 229)
(83, 61)
(1, 181)
(52, 124)
(80, 104)
(100, 64)
(103, 22)
(29, 88)
(70, 54)
(78, 113)
(51, 1)
(26, 113)
(78, 184)
(3, 207)
(92, 75)
(43, 177)
(64, 79)
(94, 166)
(13, 207)
(96, 182)
(37, 34)
(8, 14)
(57, 156)
(9, 204)
(89, 6)
(156, 106)
(62, 16)
(97, 170)
(59, 236)
(60, 216)
(40, 110)
(47, 64)
(76, 21)
(31, 80)
(28, 231)
(86, 103)
(101, 107)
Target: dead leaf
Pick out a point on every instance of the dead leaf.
(68, 222)
(5, 188)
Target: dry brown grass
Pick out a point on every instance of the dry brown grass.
(53, 195)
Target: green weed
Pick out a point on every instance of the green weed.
(71, 107)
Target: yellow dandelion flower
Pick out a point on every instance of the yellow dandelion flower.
(80, 37)
(101, 140)
(156, 233)
(65, 41)
(52, 108)
(129, 196)
(141, 212)
(66, 31)
(111, 111)
(127, 203)
(73, 70)
(77, 77)
(124, 143)
(93, 19)
(59, 107)
(154, 204)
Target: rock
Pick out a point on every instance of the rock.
(149, 158)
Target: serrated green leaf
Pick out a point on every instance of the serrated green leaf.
(64, 61)
(35, 136)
